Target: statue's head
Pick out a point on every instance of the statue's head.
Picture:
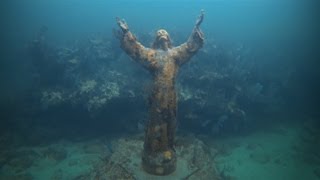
(162, 40)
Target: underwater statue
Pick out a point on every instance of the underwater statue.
(163, 61)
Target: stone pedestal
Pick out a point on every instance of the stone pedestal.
(193, 160)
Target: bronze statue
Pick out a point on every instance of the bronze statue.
(163, 61)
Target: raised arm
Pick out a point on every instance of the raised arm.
(185, 51)
(133, 47)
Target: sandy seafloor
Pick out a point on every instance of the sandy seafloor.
(277, 152)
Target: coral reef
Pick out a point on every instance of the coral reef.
(107, 92)
(219, 92)
(52, 98)
(87, 86)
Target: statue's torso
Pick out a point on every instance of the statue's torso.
(165, 70)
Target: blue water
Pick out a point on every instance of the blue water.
(258, 68)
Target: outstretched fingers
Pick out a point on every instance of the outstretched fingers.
(200, 18)
(122, 24)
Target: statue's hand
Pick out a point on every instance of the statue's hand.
(122, 24)
(200, 18)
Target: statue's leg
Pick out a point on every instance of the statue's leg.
(159, 157)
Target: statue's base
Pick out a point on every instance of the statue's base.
(194, 160)
(162, 163)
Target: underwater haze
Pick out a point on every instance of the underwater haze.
(75, 105)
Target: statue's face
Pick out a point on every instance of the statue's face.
(162, 35)
(162, 40)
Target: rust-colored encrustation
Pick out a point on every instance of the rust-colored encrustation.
(163, 62)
